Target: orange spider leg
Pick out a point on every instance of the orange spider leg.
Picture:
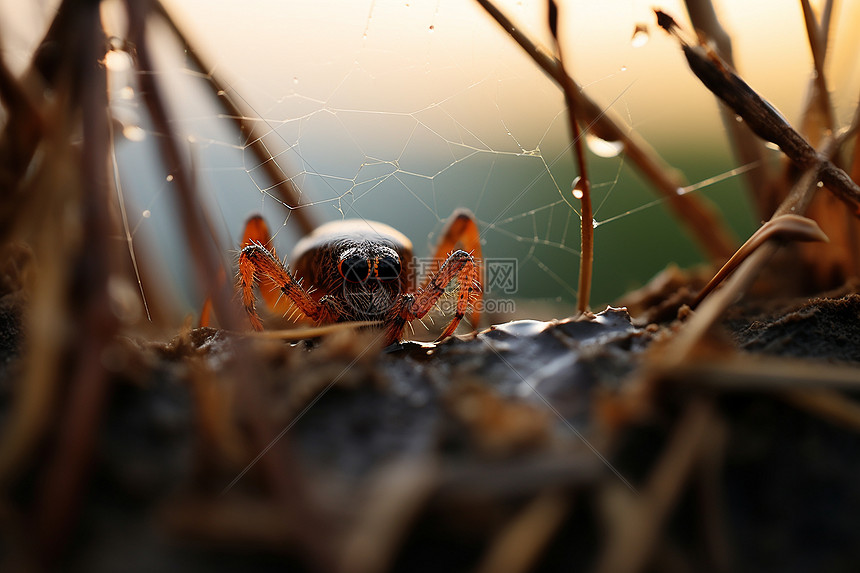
(258, 264)
(461, 229)
(460, 265)
(256, 232)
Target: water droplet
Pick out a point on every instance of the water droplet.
(820, 184)
(295, 80)
(575, 187)
(640, 36)
(578, 187)
(680, 191)
(169, 178)
(133, 133)
(601, 147)
(623, 68)
(146, 214)
(117, 61)
(739, 119)
(771, 145)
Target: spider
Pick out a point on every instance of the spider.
(362, 270)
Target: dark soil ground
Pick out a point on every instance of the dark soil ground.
(429, 458)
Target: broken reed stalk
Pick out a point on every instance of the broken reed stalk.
(762, 117)
(240, 114)
(582, 187)
(697, 215)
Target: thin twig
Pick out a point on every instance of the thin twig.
(290, 489)
(714, 305)
(518, 547)
(818, 47)
(698, 216)
(745, 373)
(748, 149)
(240, 114)
(635, 535)
(783, 228)
(582, 189)
(206, 259)
(67, 470)
(24, 128)
(763, 118)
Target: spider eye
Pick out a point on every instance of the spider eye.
(354, 269)
(388, 268)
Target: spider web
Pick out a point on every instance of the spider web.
(401, 113)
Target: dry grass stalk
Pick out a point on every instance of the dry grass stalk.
(582, 188)
(763, 118)
(749, 150)
(243, 117)
(635, 530)
(818, 45)
(696, 214)
(518, 547)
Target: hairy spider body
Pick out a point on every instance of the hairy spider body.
(361, 270)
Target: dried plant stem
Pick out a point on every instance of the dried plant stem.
(699, 218)
(758, 373)
(24, 128)
(583, 185)
(240, 114)
(206, 257)
(636, 532)
(66, 472)
(828, 404)
(716, 302)
(765, 121)
(517, 549)
(749, 150)
(783, 228)
(818, 45)
(289, 488)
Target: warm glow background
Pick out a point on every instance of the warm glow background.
(350, 89)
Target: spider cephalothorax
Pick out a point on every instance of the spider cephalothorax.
(363, 270)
